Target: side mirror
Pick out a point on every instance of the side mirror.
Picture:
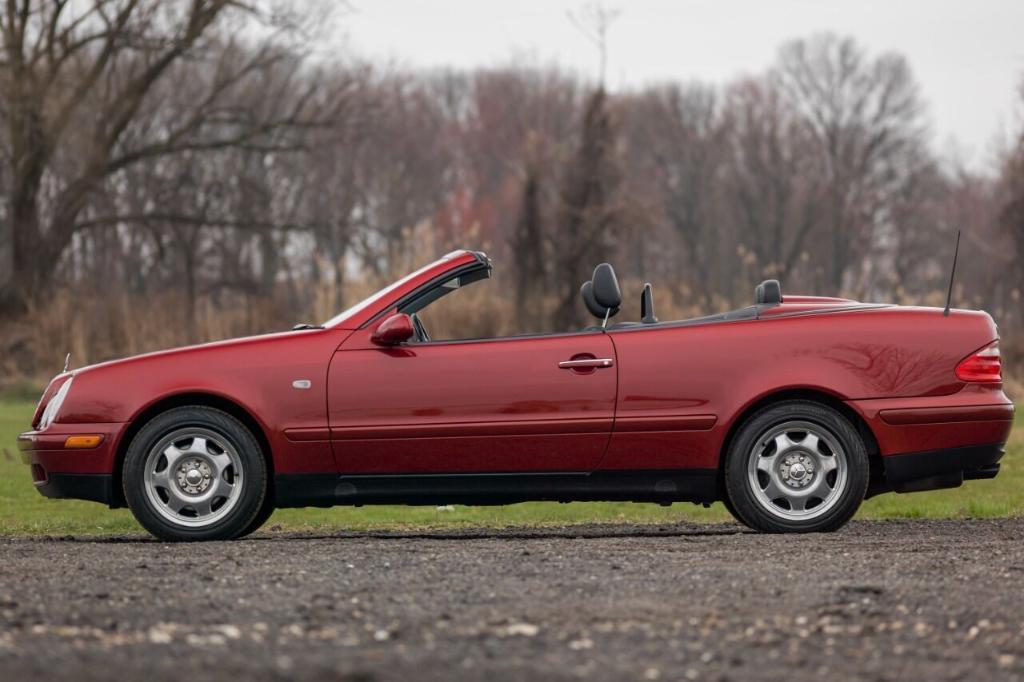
(393, 330)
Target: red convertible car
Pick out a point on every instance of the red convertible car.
(790, 411)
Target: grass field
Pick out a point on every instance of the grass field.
(24, 511)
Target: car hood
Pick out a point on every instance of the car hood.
(187, 350)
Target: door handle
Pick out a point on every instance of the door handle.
(585, 363)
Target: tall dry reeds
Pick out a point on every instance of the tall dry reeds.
(99, 326)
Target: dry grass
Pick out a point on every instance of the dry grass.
(98, 326)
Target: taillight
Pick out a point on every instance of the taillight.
(982, 365)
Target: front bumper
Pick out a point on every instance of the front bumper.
(77, 473)
(92, 487)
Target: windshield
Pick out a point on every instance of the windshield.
(383, 293)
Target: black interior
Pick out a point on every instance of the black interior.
(601, 293)
(423, 298)
(768, 292)
(603, 298)
(647, 315)
(421, 332)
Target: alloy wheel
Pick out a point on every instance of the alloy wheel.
(797, 470)
(193, 477)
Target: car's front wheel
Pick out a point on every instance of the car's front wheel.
(796, 466)
(194, 473)
(262, 516)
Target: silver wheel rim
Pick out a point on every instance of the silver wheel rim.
(193, 477)
(797, 471)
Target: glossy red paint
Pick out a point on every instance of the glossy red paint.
(393, 330)
(720, 370)
(498, 405)
(255, 374)
(656, 397)
(977, 413)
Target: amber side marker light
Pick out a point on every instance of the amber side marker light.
(82, 442)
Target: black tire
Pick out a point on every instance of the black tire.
(229, 440)
(262, 516)
(731, 509)
(837, 505)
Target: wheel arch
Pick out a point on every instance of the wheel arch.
(192, 398)
(811, 394)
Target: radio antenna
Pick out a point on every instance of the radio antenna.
(952, 274)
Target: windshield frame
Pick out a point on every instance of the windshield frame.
(365, 310)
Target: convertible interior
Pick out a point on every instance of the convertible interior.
(603, 299)
(601, 296)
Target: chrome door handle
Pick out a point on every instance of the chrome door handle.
(597, 363)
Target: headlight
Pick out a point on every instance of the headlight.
(53, 407)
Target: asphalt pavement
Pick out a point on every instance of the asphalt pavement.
(891, 600)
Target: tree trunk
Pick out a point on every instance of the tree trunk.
(528, 257)
(189, 271)
(24, 270)
(839, 250)
(588, 208)
(34, 254)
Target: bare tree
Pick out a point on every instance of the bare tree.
(681, 134)
(515, 141)
(1012, 213)
(864, 114)
(773, 182)
(527, 246)
(77, 77)
(406, 175)
(328, 183)
(594, 20)
(186, 157)
(912, 263)
(590, 206)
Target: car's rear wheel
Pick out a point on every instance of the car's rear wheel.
(796, 466)
(195, 473)
(729, 508)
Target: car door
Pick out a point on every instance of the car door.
(519, 404)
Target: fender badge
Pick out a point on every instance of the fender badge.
(302, 384)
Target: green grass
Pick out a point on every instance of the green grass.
(24, 512)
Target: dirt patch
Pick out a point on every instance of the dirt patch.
(937, 600)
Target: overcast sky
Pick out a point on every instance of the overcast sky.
(967, 56)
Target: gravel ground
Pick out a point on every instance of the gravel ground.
(935, 600)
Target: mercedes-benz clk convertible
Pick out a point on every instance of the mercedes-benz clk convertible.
(790, 411)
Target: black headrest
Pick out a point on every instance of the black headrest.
(647, 315)
(601, 294)
(606, 286)
(768, 292)
(595, 308)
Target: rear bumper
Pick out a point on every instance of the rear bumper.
(932, 442)
(975, 415)
(937, 469)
